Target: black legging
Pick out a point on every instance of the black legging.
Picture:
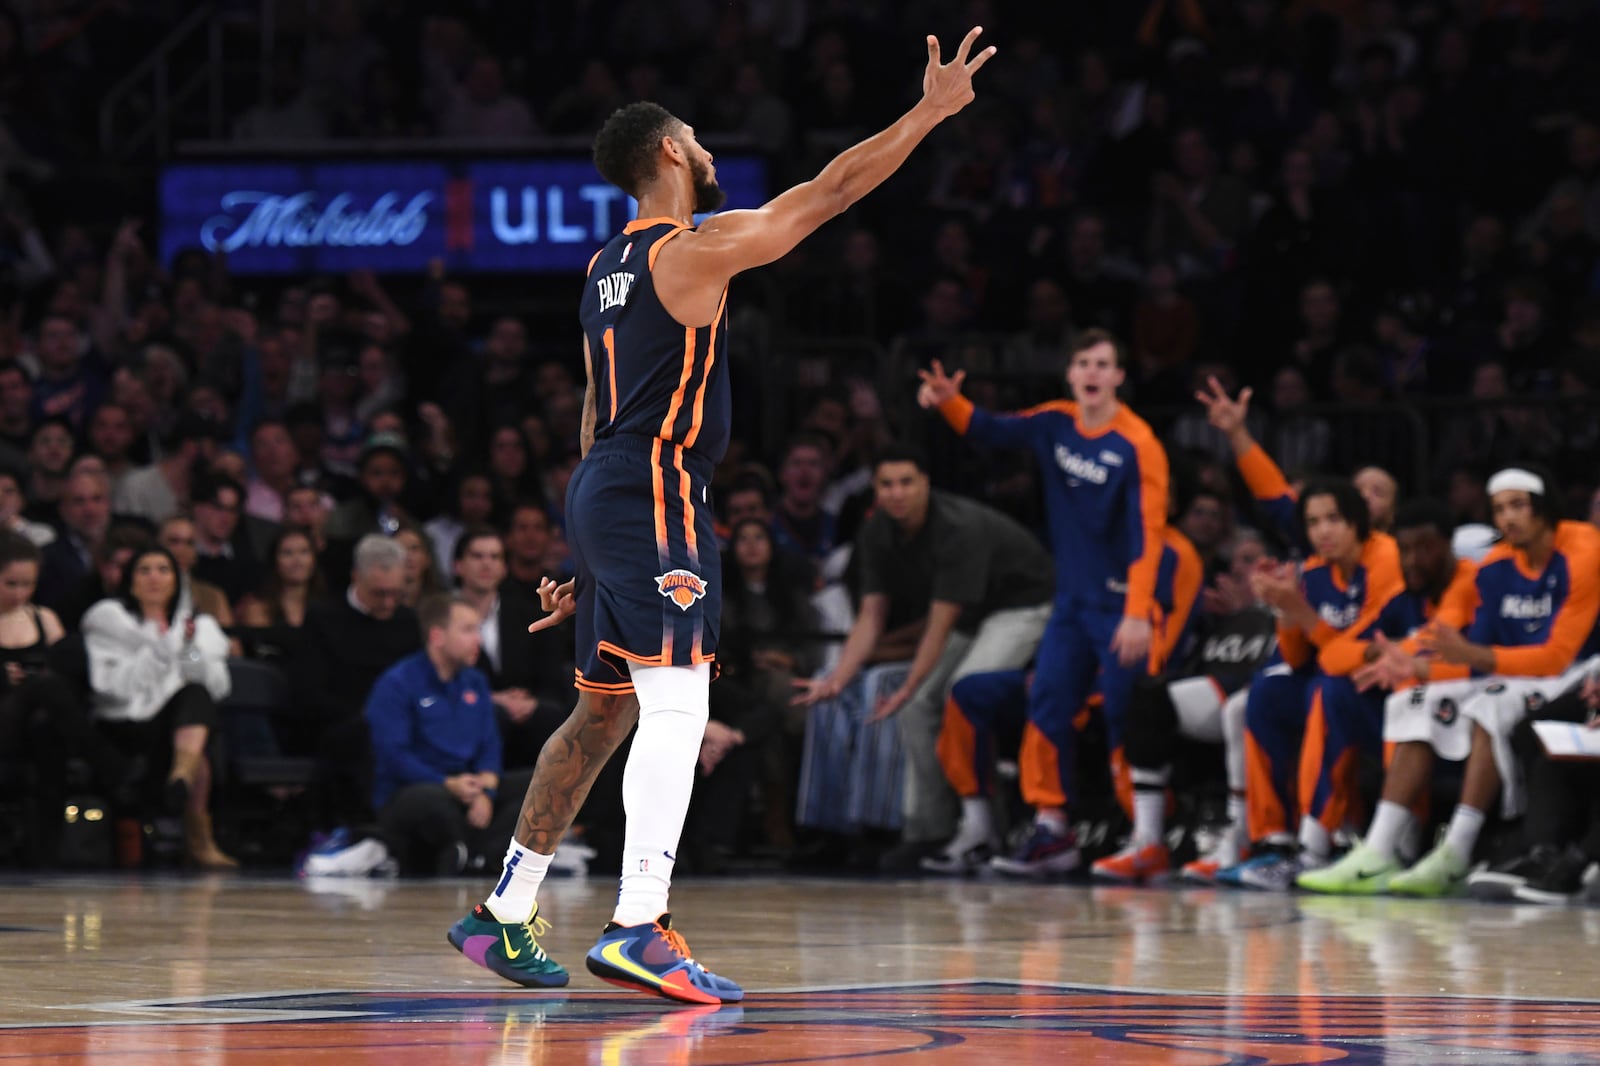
(152, 737)
(422, 825)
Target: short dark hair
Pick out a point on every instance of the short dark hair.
(1427, 511)
(1351, 504)
(210, 486)
(15, 548)
(472, 533)
(433, 612)
(625, 149)
(1091, 337)
(900, 451)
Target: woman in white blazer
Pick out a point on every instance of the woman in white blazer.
(157, 675)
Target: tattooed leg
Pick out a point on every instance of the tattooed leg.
(568, 765)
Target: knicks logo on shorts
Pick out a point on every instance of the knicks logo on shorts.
(681, 587)
(1446, 712)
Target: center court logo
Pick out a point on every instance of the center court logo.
(681, 587)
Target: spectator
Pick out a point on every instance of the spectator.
(421, 580)
(16, 411)
(111, 437)
(222, 556)
(293, 584)
(1298, 440)
(49, 457)
(109, 564)
(277, 469)
(85, 518)
(514, 475)
(195, 596)
(436, 751)
(799, 523)
(160, 490)
(474, 506)
(528, 542)
(157, 676)
(349, 642)
(481, 109)
(69, 385)
(12, 519)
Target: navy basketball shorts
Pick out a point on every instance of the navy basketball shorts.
(648, 573)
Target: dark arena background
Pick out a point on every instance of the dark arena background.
(290, 347)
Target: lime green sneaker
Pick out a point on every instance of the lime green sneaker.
(1438, 873)
(1362, 872)
(510, 949)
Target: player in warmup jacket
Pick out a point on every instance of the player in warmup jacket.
(1203, 699)
(981, 703)
(1441, 590)
(657, 416)
(1460, 696)
(1105, 488)
(1288, 722)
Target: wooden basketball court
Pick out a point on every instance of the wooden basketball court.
(148, 970)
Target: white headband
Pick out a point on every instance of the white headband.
(1516, 479)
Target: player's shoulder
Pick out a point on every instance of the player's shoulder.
(1051, 408)
(1577, 538)
(1497, 558)
(1133, 427)
(1381, 550)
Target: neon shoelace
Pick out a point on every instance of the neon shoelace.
(676, 942)
(536, 927)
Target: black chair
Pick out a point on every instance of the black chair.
(261, 820)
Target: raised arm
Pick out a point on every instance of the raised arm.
(734, 241)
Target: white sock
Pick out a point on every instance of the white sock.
(1463, 831)
(977, 824)
(1053, 820)
(513, 897)
(1388, 826)
(1149, 806)
(1238, 813)
(673, 708)
(1314, 839)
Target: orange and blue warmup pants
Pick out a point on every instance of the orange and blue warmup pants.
(1303, 734)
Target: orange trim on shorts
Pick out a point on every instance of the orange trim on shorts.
(705, 379)
(659, 488)
(583, 684)
(686, 490)
(664, 659)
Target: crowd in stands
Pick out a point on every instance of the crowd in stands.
(1381, 218)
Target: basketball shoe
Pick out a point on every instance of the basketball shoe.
(1438, 873)
(655, 958)
(510, 949)
(1362, 872)
(1042, 853)
(1148, 864)
(1228, 852)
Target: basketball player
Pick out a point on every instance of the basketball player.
(647, 592)
(1105, 489)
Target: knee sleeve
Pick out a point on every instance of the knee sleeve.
(1152, 726)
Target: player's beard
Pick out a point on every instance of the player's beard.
(708, 195)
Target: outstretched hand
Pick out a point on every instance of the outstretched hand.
(937, 386)
(1223, 412)
(947, 87)
(558, 601)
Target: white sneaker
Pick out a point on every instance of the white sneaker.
(969, 849)
(358, 860)
(572, 859)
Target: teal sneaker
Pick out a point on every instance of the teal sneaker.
(1362, 872)
(1438, 873)
(509, 949)
(653, 957)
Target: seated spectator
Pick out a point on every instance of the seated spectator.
(436, 749)
(160, 490)
(473, 506)
(177, 535)
(799, 522)
(529, 673)
(49, 456)
(348, 643)
(422, 580)
(292, 585)
(156, 676)
(277, 466)
(376, 506)
(42, 719)
(12, 505)
(109, 563)
(221, 555)
(110, 436)
(528, 542)
(85, 519)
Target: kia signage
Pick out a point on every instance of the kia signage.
(478, 215)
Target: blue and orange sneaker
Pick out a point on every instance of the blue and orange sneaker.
(654, 958)
(509, 949)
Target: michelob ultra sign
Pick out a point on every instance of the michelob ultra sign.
(546, 214)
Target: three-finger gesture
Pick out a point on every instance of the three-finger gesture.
(1222, 411)
(947, 87)
(937, 386)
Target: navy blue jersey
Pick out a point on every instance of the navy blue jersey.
(653, 376)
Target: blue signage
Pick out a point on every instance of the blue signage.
(535, 215)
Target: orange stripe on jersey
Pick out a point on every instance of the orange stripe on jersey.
(957, 411)
(705, 379)
(658, 485)
(676, 406)
(655, 249)
(609, 341)
(1153, 476)
(593, 259)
